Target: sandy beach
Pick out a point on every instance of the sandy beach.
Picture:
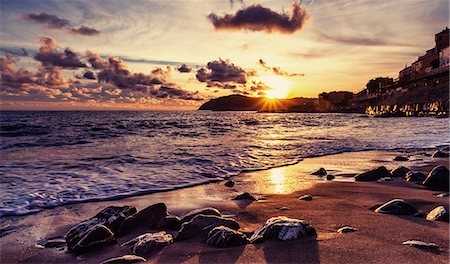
(335, 204)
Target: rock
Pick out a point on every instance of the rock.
(203, 211)
(420, 244)
(346, 229)
(203, 223)
(79, 240)
(103, 226)
(442, 195)
(320, 172)
(384, 179)
(149, 217)
(445, 148)
(330, 177)
(438, 179)
(397, 207)
(283, 208)
(306, 197)
(400, 172)
(415, 176)
(53, 242)
(124, 260)
(440, 154)
(229, 183)
(222, 237)
(283, 228)
(170, 222)
(401, 158)
(149, 242)
(438, 214)
(245, 196)
(373, 175)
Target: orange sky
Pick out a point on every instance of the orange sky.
(316, 47)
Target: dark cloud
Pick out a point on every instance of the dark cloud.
(89, 75)
(184, 68)
(83, 30)
(50, 55)
(222, 71)
(15, 52)
(96, 61)
(278, 70)
(47, 76)
(259, 18)
(54, 22)
(115, 82)
(49, 21)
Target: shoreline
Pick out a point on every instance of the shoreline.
(275, 188)
(243, 171)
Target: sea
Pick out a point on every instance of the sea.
(53, 158)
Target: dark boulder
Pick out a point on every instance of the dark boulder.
(170, 222)
(320, 172)
(438, 179)
(438, 214)
(149, 217)
(245, 196)
(222, 237)
(203, 211)
(146, 243)
(229, 183)
(401, 158)
(103, 226)
(440, 154)
(330, 177)
(397, 207)
(415, 176)
(400, 172)
(79, 240)
(283, 228)
(126, 259)
(373, 175)
(203, 223)
(53, 242)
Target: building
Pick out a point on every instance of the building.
(442, 40)
(378, 85)
(405, 74)
(444, 58)
(434, 60)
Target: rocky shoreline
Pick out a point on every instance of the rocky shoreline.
(123, 234)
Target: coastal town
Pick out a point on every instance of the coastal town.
(420, 89)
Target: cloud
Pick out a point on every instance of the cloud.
(54, 22)
(15, 52)
(83, 30)
(50, 55)
(184, 68)
(49, 21)
(278, 70)
(356, 40)
(222, 71)
(115, 83)
(89, 75)
(259, 18)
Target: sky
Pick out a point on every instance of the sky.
(176, 55)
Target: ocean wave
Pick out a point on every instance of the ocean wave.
(94, 156)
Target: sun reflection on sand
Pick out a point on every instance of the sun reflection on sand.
(278, 179)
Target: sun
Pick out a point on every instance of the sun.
(279, 86)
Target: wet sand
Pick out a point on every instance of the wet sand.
(335, 204)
